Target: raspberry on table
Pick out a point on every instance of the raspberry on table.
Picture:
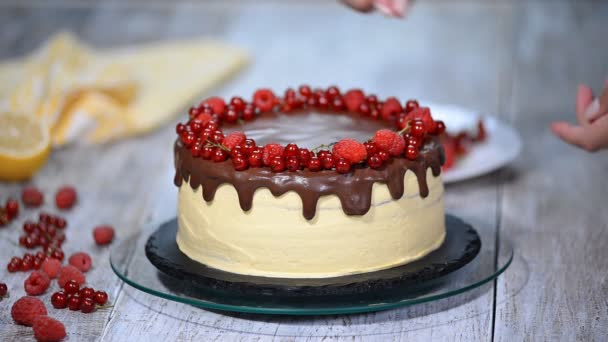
(26, 309)
(103, 235)
(66, 197)
(47, 329)
(68, 273)
(351, 150)
(51, 267)
(389, 141)
(271, 151)
(31, 197)
(37, 283)
(234, 139)
(81, 261)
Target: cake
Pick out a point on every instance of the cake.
(313, 184)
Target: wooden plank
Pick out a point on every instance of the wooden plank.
(553, 195)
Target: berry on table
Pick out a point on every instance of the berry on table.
(12, 208)
(351, 150)
(81, 261)
(68, 273)
(3, 290)
(14, 265)
(74, 301)
(59, 300)
(440, 127)
(31, 197)
(37, 283)
(26, 309)
(238, 103)
(103, 235)
(87, 292)
(87, 305)
(100, 297)
(71, 287)
(305, 90)
(48, 329)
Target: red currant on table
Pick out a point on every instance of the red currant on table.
(14, 265)
(12, 208)
(101, 297)
(364, 109)
(87, 305)
(3, 290)
(74, 302)
(59, 300)
(87, 292)
(71, 287)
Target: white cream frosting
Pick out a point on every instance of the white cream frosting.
(274, 239)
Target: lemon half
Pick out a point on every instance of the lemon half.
(24, 146)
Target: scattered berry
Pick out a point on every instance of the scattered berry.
(37, 283)
(351, 150)
(74, 302)
(59, 300)
(3, 290)
(47, 329)
(100, 297)
(81, 261)
(234, 139)
(87, 305)
(66, 197)
(87, 292)
(389, 141)
(71, 287)
(31, 197)
(68, 273)
(270, 152)
(26, 309)
(103, 235)
(12, 208)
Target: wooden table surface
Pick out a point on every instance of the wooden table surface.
(518, 60)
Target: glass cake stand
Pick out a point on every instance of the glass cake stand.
(128, 260)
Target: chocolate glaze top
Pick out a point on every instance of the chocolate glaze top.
(354, 189)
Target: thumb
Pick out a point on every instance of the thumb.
(573, 135)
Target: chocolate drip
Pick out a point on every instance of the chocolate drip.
(354, 189)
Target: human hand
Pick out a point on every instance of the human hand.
(392, 8)
(591, 134)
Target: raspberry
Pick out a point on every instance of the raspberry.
(51, 267)
(65, 198)
(68, 273)
(37, 283)
(389, 141)
(217, 104)
(353, 99)
(103, 235)
(47, 329)
(391, 109)
(424, 114)
(264, 99)
(351, 150)
(271, 151)
(204, 118)
(32, 197)
(81, 261)
(26, 309)
(234, 139)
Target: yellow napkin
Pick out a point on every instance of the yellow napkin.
(96, 96)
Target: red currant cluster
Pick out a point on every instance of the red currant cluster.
(33, 261)
(45, 233)
(9, 211)
(85, 299)
(203, 136)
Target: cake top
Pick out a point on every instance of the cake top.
(315, 143)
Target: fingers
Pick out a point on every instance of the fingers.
(598, 107)
(584, 97)
(591, 137)
(393, 8)
(360, 5)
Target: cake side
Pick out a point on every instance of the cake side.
(273, 238)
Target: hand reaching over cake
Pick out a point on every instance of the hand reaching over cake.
(391, 8)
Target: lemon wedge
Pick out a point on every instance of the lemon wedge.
(24, 146)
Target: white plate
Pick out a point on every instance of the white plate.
(501, 146)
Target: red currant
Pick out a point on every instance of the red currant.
(374, 161)
(305, 91)
(238, 103)
(12, 208)
(291, 150)
(292, 164)
(402, 121)
(195, 126)
(180, 128)
(411, 152)
(314, 164)
(374, 113)
(372, 100)
(207, 152)
(410, 105)
(71, 287)
(255, 158)
(277, 164)
(219, 155)
(27, 265)
(417, 130)
(188, 138)
(217, 137)
(197, 149)
(342, 166)
(304, 156)
(248, 146)
(384, 156)
(327, 161)
(3, 290)
(101, 297)
(364, 109)
(249, 113)
(370, 147)
(59, 300)
(321, 154)
(87, 305)
(57, 254)
(413, 141)
(74, 302)
(332, 92)
(323, 102)
(232, 115)
(338, 103)
(237, 151)
(240, 163)
(87, 292)
(440, 127)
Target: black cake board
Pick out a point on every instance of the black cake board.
(461, 245)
